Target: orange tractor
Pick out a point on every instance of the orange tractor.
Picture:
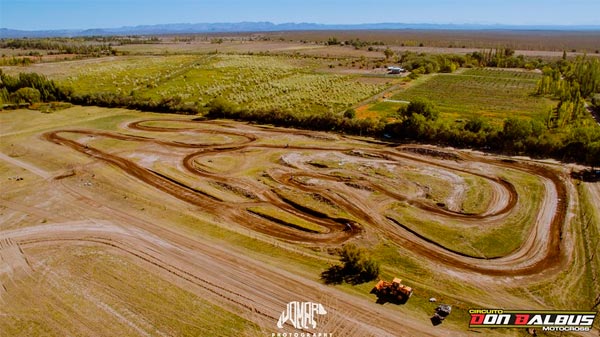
(394, 292)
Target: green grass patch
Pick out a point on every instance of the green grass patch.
(313, 201)
(580, 276)
(105, 144)
(204, 186)
(382, 109)
(287, 219)
(483, 240)
(218, 163)
(477, 195)
(437, 189)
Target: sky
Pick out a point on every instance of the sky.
(83, 14)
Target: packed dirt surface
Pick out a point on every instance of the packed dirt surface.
(314, 49)
(345, 188)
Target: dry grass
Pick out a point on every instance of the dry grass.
(77, 290)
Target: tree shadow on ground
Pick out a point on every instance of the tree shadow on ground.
(589, 175)
(338, 274)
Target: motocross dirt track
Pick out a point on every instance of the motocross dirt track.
(538, 253)
(215, 272)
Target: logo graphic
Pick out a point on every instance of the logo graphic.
(547, 320)
(301, 314)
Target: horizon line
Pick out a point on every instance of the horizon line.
(324, 25)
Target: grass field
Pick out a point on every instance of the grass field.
(477, 195)
(98, 286)
(286, 219)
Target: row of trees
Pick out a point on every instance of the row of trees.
(419, 121)
(499, 57)
(422, 63)
(356, 43)
(173, 104)
(571, 83)
(30, 88)
(566, 80)
(59, 45)
(419, 64)
(516, 136)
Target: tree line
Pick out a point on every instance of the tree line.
(422, 63)
(59, 46)
(30, 88)
(566, 134)
(419, 122)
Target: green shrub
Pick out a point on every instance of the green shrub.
(419, 106)
(357, 267)
(26, 95)
(350, 114)
(220, 106)
(474, 124)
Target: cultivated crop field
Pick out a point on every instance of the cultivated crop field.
(493, 94)
(254, 82)
(141, 224)
(489, 93)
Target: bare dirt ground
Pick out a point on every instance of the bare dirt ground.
(311, 49)
(338, 170)
(25, 165)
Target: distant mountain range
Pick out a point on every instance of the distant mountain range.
(190, 28)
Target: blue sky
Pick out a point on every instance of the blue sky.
(77, 14)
